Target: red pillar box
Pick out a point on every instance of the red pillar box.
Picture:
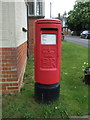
(47, 60)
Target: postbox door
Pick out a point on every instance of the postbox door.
(48, 55)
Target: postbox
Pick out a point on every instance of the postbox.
(47, 59)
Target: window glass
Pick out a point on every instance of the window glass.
(39, 8)
(85, 32)
(31, 8)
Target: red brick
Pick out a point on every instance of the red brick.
(10, 88)
(12, 67)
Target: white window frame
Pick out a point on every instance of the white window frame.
(35, 9)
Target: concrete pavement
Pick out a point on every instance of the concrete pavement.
(78, 40)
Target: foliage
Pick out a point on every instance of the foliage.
(79, 17)
(87, 70)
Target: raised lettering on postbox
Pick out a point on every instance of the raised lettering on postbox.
(48, 58)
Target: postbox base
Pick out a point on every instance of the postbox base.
(46, 93)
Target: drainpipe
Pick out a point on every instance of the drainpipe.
(28, 47)
(50, 10)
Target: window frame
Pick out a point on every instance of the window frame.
(37, 5)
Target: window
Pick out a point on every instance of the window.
(36, 8)
(39, 8)
(31, 8)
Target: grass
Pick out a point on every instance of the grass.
(73, 92)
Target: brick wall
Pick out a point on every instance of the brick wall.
(31, 23)
(31, 33)
(12, 66)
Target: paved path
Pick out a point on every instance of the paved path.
(80, 118)
(78, 40)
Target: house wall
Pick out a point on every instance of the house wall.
(7, 37)
(20, 21)
(31, 32)
(31, 25)
(39, 13)
(13, 46)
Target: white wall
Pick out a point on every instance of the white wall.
(20, 21)
(13, 18)
(0, 24)
(8, 24)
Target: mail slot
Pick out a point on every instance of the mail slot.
(47, 59)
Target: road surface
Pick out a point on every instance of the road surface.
(78, 40)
